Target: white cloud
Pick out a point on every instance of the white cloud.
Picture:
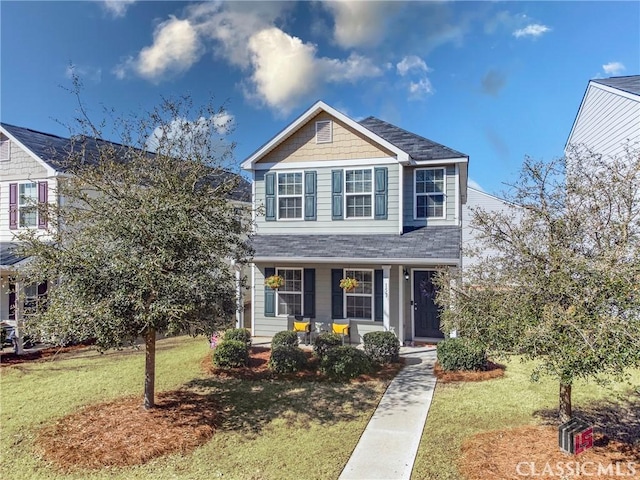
(409, 63)
(117, 8)
(613, 68)
(183, 135)
(473, 184)
(421, 88)
(534, 30)
(359, 23)
(84, 72)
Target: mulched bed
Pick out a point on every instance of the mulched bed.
(526, 451)
(10, 358)
(494, 370)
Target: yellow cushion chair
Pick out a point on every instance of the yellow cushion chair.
(342, 329)
(305, 328)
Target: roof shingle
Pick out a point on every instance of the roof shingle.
(630, 84)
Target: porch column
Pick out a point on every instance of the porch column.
(386, 271)
(239, 296)
(19, 313)
(401, 304)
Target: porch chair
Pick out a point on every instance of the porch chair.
(342, 329)
(303, 327)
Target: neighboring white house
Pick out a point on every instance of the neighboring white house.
(366, 200)
(609, 116)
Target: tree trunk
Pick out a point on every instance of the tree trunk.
(565, 402)
(150, 368)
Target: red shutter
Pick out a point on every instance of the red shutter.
(43, 194)
(13, 206)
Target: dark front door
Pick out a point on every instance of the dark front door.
(426, 315)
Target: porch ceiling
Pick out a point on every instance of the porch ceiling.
(432, 245)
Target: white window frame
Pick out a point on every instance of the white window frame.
(371, 295)
(360, 194)
(5, 144)
(29, 205)
(330, 123)
(278, 196)
(430, 194)
(301, 270)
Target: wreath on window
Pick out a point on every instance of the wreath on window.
(348, 284)
(274, 281)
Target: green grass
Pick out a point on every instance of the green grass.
(463, 409)
(271, 429)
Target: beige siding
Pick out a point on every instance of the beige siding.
(324, 223)
(347, 144)
(409, 199)
(607, 121)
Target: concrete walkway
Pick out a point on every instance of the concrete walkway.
(388, 446)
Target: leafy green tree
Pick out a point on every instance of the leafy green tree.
(562, 282)
(142, 242)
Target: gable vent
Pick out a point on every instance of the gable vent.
(5, 150)
(324, 133)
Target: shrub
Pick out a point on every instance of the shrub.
(325, 342)
(461, 354)
(381, 347)
(345, 362)
(230, 354)
(287, 338)
(287, 359)
(240, 334)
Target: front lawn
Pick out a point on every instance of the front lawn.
(275, 429)
(460, 410)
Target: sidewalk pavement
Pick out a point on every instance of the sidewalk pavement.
(388, 446)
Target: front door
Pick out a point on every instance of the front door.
(426, 315)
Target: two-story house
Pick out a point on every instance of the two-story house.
(31, 166)
(336, 198)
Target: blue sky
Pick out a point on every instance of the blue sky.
(495, 80)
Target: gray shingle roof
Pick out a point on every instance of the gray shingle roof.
(630, 84)
(55, 151)
(418, 147)
(8, 257)
(428, 243)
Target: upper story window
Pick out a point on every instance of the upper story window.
(289, 296)
(27, 205)
(324, 131)
(290, 195)
(358, 193)
(5, 150)
(430, 186)
(359, 302)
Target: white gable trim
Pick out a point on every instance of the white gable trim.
(318, 107)
(320, 164)
(51, 172)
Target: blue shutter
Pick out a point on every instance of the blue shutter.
(337, 307)
(309, 195)
(309, 292)
(270, 196)
(381, 187)
(336, 195)
(377, 294)
(269, 295)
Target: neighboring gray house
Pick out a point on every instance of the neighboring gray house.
(366, 200)
(609, 116)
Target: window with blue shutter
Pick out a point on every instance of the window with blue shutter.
(381, 187)
(378, 295)
(310, 187)
(309, 292)
(336, 195)
(270, 196)
(337, 307)
(269, 295)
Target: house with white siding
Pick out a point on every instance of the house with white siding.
(337, 198)
(609, 116)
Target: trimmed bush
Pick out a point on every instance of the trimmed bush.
(461, 354)
(325, 342)
(231, 354)
(287, 359)
(239, 334)
(287, 338)
(345, 362)
(381, 347)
